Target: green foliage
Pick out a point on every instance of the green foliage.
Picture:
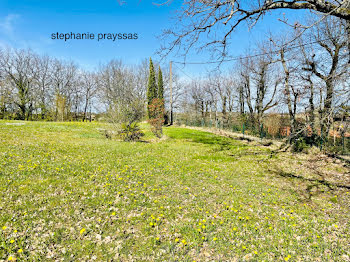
(130, 132)
(160, 84)
(152, 85)
(299, 145)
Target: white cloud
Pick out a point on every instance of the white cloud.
(7, 24)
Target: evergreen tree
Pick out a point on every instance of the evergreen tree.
(152, 85)
(160, 84)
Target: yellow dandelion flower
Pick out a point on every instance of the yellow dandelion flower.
(4, 227)
(176, 240)
(113, 214)
(287, 258)
(82, 231)
(20, 250)
(12, 241)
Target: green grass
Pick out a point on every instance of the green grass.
(68, 193)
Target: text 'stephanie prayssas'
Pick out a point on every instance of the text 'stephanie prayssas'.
(92, 36)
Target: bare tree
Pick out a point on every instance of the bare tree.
(123, 102)
(63, 77)
(328, 61)
(264, 81)
(89, 89)
(217, 20)
(43, 83)
(18, 65)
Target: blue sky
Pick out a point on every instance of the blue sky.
(30, 23)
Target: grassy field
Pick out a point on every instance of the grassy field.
(70, 194)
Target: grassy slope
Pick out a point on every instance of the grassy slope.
(68, 193)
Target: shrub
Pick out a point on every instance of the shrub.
(156, 116)
(299, 145)
(130, 132)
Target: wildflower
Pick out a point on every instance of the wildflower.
(255, 252)
(4, 227)
(82, 231)
(20, 250)
(215, 239)
(113, 214)
(176, 240)
(10, 258)
(287, 258)
(12, 241)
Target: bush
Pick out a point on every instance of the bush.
(299, 145)
(156, 116)
(130, 132)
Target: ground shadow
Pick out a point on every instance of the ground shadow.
(314, 186)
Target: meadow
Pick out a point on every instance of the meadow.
(70, 194)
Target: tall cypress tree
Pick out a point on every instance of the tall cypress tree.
(160, 84)
(152, 85)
